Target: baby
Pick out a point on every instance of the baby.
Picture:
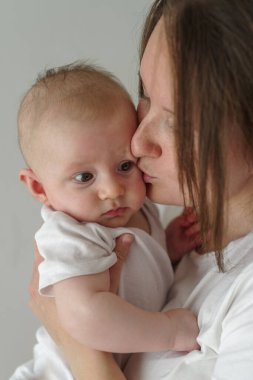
(75, 128)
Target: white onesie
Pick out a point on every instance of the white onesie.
(72, 249)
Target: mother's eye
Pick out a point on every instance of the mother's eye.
(83, 177)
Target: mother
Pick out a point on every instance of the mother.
(195, 146)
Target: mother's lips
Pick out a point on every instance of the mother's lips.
(147, 177)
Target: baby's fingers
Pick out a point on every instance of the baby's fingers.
(193, 230)
(188, 217)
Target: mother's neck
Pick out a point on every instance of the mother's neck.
(239, 214)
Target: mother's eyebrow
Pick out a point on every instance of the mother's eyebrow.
(169, 111)
(142, 91)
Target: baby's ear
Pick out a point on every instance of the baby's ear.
(34, 186)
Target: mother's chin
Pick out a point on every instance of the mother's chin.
(158, 191)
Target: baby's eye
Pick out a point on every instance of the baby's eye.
(83, 177)
(126, 166)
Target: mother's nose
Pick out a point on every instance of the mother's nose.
(144, 142)
(136, 143)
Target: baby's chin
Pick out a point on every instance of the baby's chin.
(115, 222)
(118, 217)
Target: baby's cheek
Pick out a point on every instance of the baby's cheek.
(141, 187)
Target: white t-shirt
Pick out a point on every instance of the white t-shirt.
(224, 305)
(72, 249)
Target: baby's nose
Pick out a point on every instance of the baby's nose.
(112, 189)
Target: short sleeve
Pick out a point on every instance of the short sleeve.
(70, 249)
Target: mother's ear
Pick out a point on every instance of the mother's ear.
(34, 186)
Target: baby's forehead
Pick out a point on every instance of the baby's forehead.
(79, 107)
(73, 115)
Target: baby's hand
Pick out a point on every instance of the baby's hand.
(183, 235)
(185, 329)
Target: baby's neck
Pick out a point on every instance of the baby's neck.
(139, 220)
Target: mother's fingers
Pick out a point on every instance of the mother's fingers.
(34, 282)
(42, 307)
(123, 244)
(38, 257)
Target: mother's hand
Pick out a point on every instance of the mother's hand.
(122, 248)
(84, 362)
(43, 308)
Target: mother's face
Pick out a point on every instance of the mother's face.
(154, 140)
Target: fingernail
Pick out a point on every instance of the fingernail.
(128, 238)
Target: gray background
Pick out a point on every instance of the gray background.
(35, 34)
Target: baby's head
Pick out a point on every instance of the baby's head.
(75, 126)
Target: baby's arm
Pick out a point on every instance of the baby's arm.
(84, 362)
(103, 321)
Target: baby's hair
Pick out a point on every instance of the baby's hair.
(78, 88)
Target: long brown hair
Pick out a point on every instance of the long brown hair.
(211, 45)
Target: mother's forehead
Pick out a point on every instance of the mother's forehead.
(155, 69)
(157, 41)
